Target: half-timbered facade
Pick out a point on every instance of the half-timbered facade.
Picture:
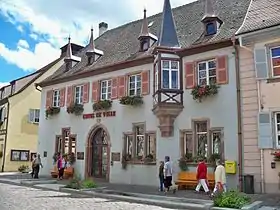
(127, 100)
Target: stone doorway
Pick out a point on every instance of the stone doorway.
(98, 154)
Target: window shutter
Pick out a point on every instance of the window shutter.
(86, 93)
(114, 88)
(49, 98)
(190, 75)
(70, 97)
(121, 86)
(145, 75)
(31, 116)
(265, 136)
(222, 70)
(62, 97)
(95, 91)
(261, 66)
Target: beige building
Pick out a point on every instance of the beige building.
(259, 39)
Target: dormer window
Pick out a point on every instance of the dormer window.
(90, 59)
(144, 45)
(210, 28)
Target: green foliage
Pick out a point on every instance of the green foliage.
(202, 91)
(75, 108)
(215, 156)
(50, 111)
(23, 168)
(231, 199)
(71, 158)
(131, 100)
(77, 183)
(102, 105)
(55, 157)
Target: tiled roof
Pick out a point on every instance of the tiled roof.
(121, 43)
(261, 14)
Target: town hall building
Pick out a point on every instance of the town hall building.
(161, 86)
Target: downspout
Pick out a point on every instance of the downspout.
(6, 137)
(259, 108)
(239, 114)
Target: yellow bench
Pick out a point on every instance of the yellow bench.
(68, 172)
(188, 180)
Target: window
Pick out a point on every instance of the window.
(66, 144)
(202, 141)
(170, 74)
(135, 85)
(56, 98)
(275, 60)
(13, 88)
(34, 115)
(2, 93)
(207, 72)
(156, 77)
(140, 145)
(106, 89)
(19, 155)
(79, 94)
(145, 45)
(2, 114)
(277, 128)
(210, 28)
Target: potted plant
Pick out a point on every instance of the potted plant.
(23, 169)
(50, 111)
(71, 158)
(102, 105)
(131, 100)
(213, 158)
(149, 158)
(276, 156)
(200, 92)
(75, 108)
(55, 158)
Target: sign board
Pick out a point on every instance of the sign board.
(99, 114)
(80, 155)
(116, 156)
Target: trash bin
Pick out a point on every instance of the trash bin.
(248, 184)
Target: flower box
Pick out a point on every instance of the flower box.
(200, 92)
(50, 111)
(75, 108)
(131, 100)
(102, 105)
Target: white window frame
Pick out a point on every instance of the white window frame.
(134, 84)
(34, 116)
(277, 133)
(207, 77)
(79, 94)
(156, 77)
(106, 95)
(271, 62)
(170, 70)
(56, 98)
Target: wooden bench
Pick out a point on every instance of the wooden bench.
(68, 172)
(188, 179)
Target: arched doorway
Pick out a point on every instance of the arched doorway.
(98, 158)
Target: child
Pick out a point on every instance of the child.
(161, 175)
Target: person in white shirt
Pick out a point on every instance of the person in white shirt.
(220, 178)
(167, 174)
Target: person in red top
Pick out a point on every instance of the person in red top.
(201, 176)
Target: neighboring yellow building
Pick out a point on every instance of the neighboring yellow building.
(19, 118)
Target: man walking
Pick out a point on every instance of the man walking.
(167, 174)
(201, 176)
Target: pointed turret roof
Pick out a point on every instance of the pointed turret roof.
(209, 11)
(91, 46)
(145, 28)
(68, 55)
(168, 35)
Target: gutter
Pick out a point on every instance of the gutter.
(6, 137)
(239, 114)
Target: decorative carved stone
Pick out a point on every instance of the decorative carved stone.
(166, 114)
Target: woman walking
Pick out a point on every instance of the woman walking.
(220, 178)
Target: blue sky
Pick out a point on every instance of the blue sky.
(34, 30)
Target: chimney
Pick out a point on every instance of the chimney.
(102, 28)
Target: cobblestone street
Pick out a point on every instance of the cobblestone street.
(17, 198)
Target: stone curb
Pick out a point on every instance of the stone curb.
(128, 198)
(253, 206)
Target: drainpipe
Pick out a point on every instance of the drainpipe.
(6, 137)
(259, 108)
(239, 114)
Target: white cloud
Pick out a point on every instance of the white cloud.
(20, 28)
(23, 43)
(52, 23)
(28, 60)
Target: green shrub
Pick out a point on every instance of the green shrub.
(23, 168)
(231, 199)
(88, 183)
(77, 183)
